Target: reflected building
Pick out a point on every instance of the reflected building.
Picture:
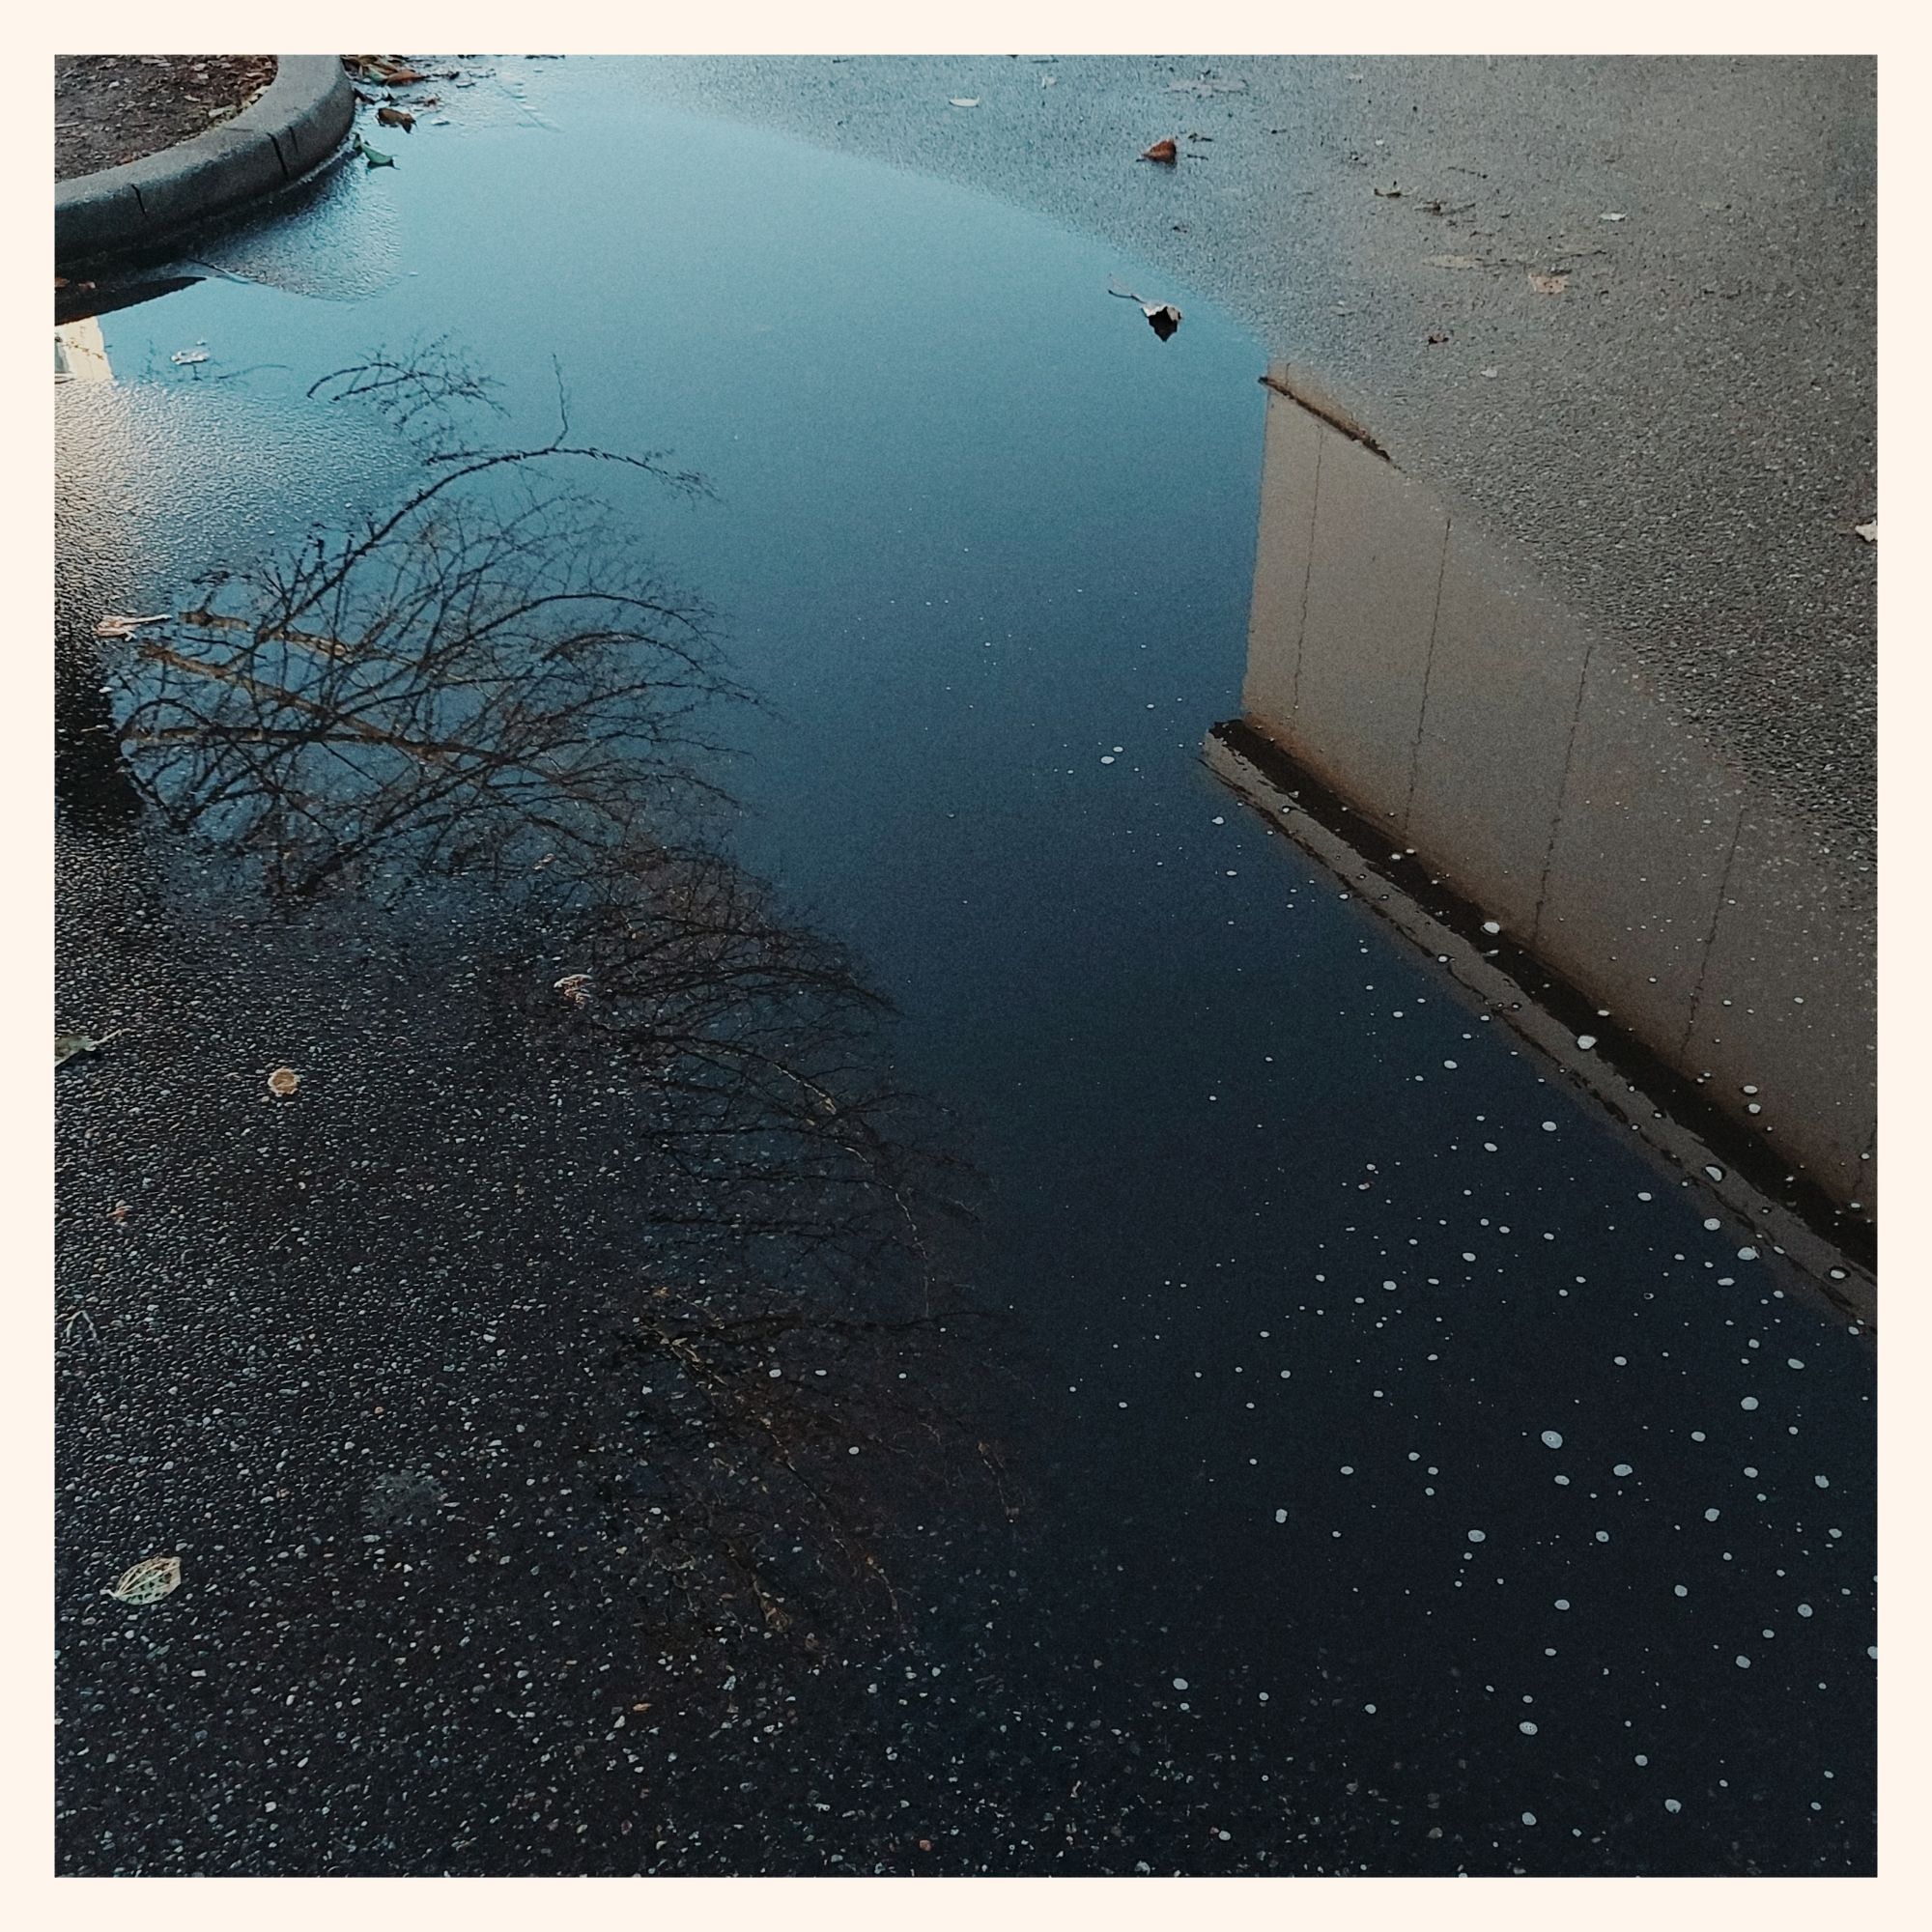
(1471, 742)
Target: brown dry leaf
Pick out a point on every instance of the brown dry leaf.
(574, 987)
(396, 117)
(1164, 151)
(284, 1081)
(1549, 285)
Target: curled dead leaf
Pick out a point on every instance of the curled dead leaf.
(1164, 151)
(396, 117)
(68, 1045)
(284, 1081)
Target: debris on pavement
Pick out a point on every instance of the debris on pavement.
(125, 626)
(284, 1081)
(973, 103)
(396, 117)
(1162, 150)
(1548, 285)
(1869, 532)
(149, 1580)
(373, 156)
(68, 1045)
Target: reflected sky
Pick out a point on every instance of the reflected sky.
(1303, 1257)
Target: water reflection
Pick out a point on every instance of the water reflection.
(1414, 672)
(473, 724)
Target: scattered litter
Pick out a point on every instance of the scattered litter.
(973, 103)
(68, 1045)
(1869, 532)
(1164, 151)
(1549, 285)
(149, 1580)
(284, 1081)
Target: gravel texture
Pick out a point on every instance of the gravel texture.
(114, 108)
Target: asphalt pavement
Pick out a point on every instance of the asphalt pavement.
(1681, 437)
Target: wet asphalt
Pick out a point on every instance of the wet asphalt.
(1297, 1434)
(1680, 440)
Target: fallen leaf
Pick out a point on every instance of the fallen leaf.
(1455, 262)
(396, 117)
(574, 987)
(284, 1081)
(1549, 285)
(1163, 317)
(1164, 151)
(373, 156)
(68, 1045)
(1869, 532)
(973, 103)
(149, 1580)
(125, 626)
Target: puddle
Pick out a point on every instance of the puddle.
(1477, 726)
(1276, 1262)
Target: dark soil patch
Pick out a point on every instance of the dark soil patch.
(111, 108)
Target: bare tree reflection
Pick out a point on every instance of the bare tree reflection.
(482, 694)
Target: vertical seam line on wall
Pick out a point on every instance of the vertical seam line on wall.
(1563, 796)
(1307, 571)
(1711, 937)
(1428, 670)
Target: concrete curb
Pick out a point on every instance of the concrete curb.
(286, 134)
